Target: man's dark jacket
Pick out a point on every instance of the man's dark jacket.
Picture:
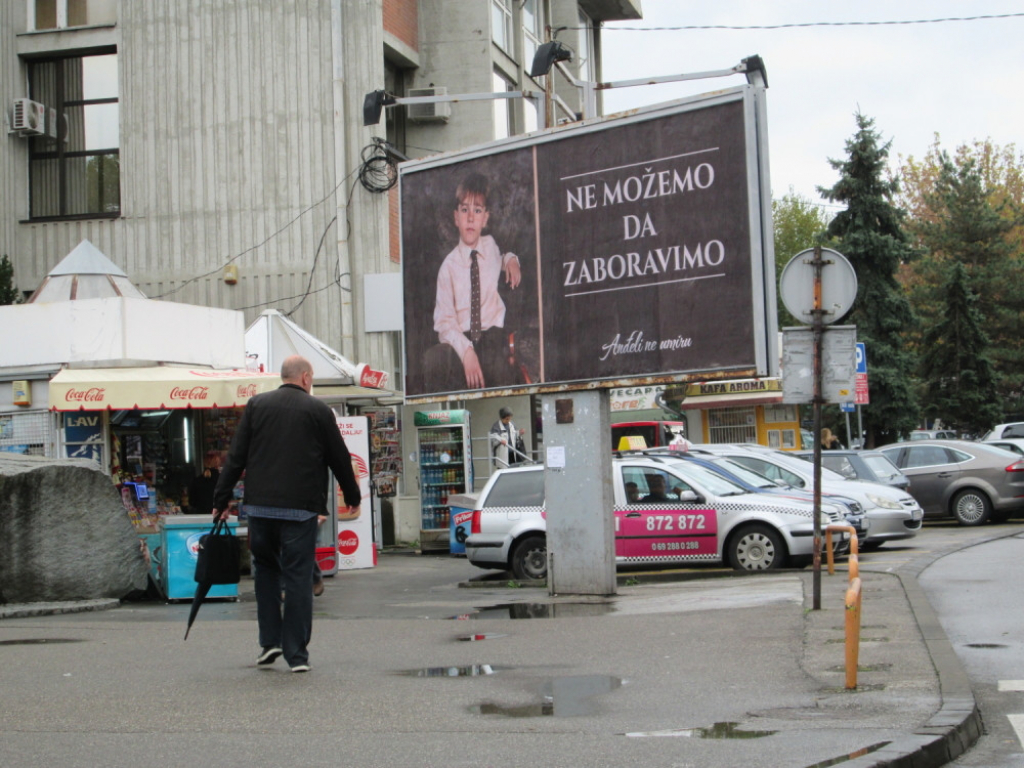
(285, 442)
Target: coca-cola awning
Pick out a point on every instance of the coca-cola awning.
(98, 389)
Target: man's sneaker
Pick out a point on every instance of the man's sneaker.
(268, 656)
(318, 588)
(300, 668)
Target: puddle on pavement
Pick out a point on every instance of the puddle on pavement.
(560, 697)
(723, 730)
(42, 641)
(851, 756)
(474, 670)
(538, 611)
(479, 637)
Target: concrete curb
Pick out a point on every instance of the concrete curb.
(957, 725)
(27, 610)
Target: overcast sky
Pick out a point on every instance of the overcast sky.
(961, 79)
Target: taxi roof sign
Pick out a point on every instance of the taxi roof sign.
(632, 443)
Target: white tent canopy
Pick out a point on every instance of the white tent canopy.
(272, 337)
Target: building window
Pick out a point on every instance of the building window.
(62, 14)
(501, 24)
(732, 425)
(775, 413)
(533, 30)
(78, 173)
(503, 126)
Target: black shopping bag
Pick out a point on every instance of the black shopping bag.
(219, 560)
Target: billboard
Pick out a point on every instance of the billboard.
(614, 252)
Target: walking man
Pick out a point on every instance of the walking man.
(285, 443)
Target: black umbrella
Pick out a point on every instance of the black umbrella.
(201, 591)
(218, 562)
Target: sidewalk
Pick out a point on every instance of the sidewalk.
(703, 671)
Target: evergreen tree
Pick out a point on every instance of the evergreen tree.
(9, 293)
(960, 380)
(969, 230)
(869, 232)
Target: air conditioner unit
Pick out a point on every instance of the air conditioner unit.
(29, 118)
(429, 113)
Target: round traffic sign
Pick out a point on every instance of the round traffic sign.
(838, 286)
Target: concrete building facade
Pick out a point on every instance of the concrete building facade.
(215, 149)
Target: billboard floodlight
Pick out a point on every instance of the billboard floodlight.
(546, 56)
(373, 104)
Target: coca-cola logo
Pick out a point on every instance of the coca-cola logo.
(91, 395)
(373, 379)
(348, 542)
(189, 393)
(246, 390)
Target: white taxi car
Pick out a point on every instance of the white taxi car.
(667, 510)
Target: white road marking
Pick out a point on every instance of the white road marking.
(1017, 721)
(1011, 685)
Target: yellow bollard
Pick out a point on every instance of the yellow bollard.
(853, 560)
(852, 632)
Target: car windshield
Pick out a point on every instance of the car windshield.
(708, 479)
(881, 466)
(800, 466)
(745, 474)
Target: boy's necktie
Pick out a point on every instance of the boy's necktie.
(475, 329)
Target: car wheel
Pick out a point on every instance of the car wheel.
(971, 507)
(530, 558)
(756, 548)
(869, 546)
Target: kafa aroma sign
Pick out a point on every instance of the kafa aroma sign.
(638, 246)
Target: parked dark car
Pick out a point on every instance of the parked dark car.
(871, 466)
(973, 482)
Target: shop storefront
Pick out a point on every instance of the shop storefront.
(155, 429)
(736, 411)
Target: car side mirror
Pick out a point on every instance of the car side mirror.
(688, 496)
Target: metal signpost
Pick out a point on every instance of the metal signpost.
(823, 296)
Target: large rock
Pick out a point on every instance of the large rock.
(64, 533)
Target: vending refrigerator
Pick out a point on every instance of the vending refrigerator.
(445, 455)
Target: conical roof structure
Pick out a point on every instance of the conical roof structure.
(85, 273)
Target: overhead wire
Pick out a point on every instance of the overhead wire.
(797, 25)
(377, 172)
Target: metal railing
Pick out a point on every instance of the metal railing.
(853, 596)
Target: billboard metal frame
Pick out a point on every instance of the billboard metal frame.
(763, 338)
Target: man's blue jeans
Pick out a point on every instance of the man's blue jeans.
(283, 556)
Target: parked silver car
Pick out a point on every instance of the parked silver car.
(870, 466)
(973, 482)
(890, 514)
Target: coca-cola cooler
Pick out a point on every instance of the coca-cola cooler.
(445, 459)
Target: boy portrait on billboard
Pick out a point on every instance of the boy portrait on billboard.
(478, 330)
